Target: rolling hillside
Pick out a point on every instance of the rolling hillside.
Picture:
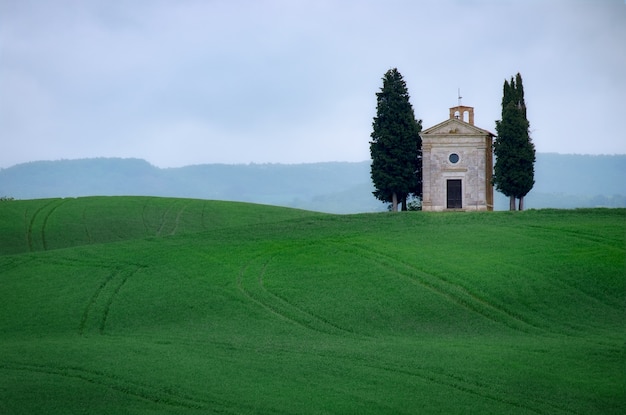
(142, 305)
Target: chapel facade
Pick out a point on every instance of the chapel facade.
(457, 164)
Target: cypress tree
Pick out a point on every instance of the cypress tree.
(515, 153)
(396, 145)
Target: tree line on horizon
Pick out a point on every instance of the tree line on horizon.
(396, 145)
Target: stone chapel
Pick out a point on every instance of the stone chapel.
(457, 164)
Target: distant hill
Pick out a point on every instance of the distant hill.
(562, 181)
(573, 180)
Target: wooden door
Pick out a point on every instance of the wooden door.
(454, 194)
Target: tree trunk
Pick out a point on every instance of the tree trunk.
(511, 202)
(394, 202)
(521, 203)
(404, 207)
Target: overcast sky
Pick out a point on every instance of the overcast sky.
(180, 82)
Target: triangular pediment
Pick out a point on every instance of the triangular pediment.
(455, 126)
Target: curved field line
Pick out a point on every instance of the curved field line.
(153, 394)
(89, 237)
(612, 302)
(254, 298)
(103, 298)
(82, 261)
(453, 292)
(8, 263)
(308, 314)
(560, 283)
(177, 220)
(45, 223)
(280, 307)
(107, 307)
(202, 220)
(164, 219)
(454, 383)
(475, 388)
(143, 217)
(605, 300)
(598, 240)
(568, 328)
(31, 224)
(92, 302)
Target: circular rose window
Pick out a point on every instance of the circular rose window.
(454, 158)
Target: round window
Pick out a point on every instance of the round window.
(454, 158)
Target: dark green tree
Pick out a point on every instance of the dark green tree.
(514, 171)
(396, 146)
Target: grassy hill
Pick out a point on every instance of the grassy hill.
(150, 305)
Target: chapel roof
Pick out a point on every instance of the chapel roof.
(457, 125)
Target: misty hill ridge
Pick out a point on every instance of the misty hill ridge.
(561, 181)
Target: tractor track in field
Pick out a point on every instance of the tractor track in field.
(31, 224)
(202, 216)
(279, 306)
(89, 237)
(563, 284)
(9, 263)
(157, 395)
(143, 217)
(453, 292)
(477, 388)
(97, 311)
(617, 302)
(45, 223)
(484, 390)
(83, 261)
(164, 219)
(606, 244)
(177, 220)
(109, 302)
(333, 327)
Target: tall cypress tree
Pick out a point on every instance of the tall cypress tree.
(515, 153)
(396, 146)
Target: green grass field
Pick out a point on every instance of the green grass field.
(133, 305)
